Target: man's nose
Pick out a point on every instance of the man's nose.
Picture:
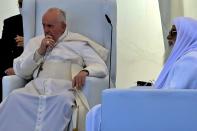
(169, 37)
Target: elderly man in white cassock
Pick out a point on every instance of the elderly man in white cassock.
(57, 62)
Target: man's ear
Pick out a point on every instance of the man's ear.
(64, 25)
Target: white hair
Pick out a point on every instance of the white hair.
(61, 13)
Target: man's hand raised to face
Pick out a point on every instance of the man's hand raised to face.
(47, 44)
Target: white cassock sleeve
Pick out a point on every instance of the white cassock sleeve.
(28, 61)
(94, 64)
(183, 74)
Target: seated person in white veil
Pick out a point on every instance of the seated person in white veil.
(180, 69)
(46, 102)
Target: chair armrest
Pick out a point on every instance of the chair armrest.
(93, 88)
(12, 82)
(149, 110)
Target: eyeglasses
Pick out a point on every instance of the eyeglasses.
(173, 32)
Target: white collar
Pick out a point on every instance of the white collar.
(62, 36)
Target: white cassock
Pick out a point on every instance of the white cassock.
(45, 103)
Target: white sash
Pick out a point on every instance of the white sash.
(56, 70)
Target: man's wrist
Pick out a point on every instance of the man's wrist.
(40, 52)
(37, 57)
(86, 71)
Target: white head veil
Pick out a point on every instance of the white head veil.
(186, 41)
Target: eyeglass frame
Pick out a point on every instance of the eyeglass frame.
(173, 32)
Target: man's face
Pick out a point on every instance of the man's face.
(172, 36)
(52, 25)
(171, 41)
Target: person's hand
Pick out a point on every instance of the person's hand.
(9, 71)
(47, 44)
(79, 80)
(19, 40)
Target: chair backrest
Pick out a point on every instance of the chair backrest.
(86, 17)
(149, 110)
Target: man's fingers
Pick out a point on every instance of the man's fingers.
(48, 36)
(73, 83)
(50, 43)
(79, 79)
(77, 82)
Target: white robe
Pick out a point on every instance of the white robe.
(180, 68)
(45, 103)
